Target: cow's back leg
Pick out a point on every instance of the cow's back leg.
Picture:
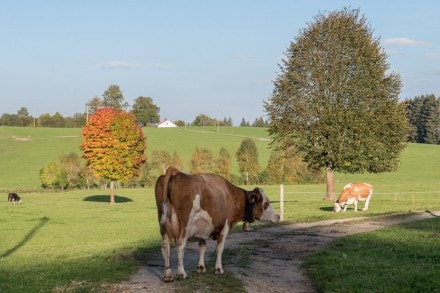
(168, 274)
(355, 205)
(181, 274)
(202, 250)
(220, 246)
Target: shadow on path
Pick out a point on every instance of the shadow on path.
(26, 238)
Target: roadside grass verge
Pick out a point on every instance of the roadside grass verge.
(402, 258)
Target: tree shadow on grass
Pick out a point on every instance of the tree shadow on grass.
(106, 198)
(26, 238)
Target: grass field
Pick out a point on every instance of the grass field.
(77, 240)
(24, 151)
(402, 258)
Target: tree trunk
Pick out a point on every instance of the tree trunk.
(112, 192)
(330, 195)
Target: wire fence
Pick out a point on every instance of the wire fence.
(392, 193)
(395, 194)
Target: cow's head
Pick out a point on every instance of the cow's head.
(338, 207)
(262, 210)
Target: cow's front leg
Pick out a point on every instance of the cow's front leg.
(367, 202)
(355, 206)
(180, 253)
(345, 207)
(202, 250)
(168, 274)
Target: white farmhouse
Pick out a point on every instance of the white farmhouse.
(166, 123)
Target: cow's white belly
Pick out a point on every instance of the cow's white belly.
(199, 222)
(351, 200)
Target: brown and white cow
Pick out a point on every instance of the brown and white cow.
(202, 206)
(351, 194)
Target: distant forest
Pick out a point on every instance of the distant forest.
(423, 113)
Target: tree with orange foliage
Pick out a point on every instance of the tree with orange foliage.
(113, 146)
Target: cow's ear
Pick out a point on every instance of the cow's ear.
(253, 196)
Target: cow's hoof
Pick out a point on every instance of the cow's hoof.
(201, 269)
(180, 277)
(246, 227)
(219, 271)
(168, 278)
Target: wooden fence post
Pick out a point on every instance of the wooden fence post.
(281, 202)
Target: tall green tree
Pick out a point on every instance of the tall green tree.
(204, 120)
(424, 118)
(244, 123)
(431, 116)
(54, 175)
(93, 105)
(71, 163)
(57, 120)
(145, 111)
(44, 120)
(23, 116)
(113, 146)
(334, 100)
(247, 157)
(114, 98)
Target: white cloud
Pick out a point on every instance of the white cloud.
(117, 65)
(404, 42)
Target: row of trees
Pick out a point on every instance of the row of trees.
(144, 117)
(424, 118)
(71, 172)
(423, 114)
(22, 118)
(143, 108)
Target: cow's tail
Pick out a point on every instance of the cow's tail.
(171, 171)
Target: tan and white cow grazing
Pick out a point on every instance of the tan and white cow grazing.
(202, 206)
(351, 194)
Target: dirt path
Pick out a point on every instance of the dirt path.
(277, 258)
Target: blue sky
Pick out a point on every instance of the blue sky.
(191, 57)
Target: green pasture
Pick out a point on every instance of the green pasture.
(76, 241)
(25, 150)
(55, 240)
(401, 258)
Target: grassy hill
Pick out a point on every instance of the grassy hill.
(24, 151)
(75, 240)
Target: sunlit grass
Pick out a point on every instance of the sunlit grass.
(403, 258)
(75, 238)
